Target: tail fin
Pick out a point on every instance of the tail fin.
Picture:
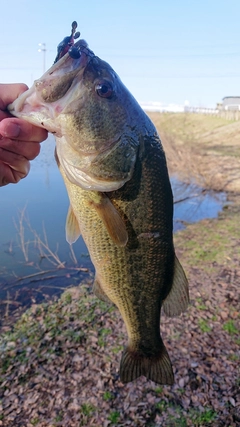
(157, 368)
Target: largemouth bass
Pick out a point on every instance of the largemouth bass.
(114, 168)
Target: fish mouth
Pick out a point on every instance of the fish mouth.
(41, 104)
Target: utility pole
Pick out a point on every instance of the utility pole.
(43, 49)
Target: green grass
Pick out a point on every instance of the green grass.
(161, 406)
(67, 298)
(204, 326)
(87, 409)
(230, 327)
(5, 363)
(113, 417)
(193, 417)
(59, 417)
(34, 421)
(198, 129)
(117, 349)
(103, 332)
(107, 395)
(200, 305)
(38, 328)
(158, 390)
(201, 418)
(234, 357)
(208, 243)
(176, 421)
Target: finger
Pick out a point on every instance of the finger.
(9, 175)
(12, 168)
(4, 115)
(22, 130)
(9, 92)
(15, 161)
(28, 150)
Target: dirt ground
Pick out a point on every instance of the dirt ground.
(59, 364)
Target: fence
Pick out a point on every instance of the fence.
(226, 114)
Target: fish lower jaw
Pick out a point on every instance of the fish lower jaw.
(40, 121)
(30, 108)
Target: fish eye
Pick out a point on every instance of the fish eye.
(104, 89)
(74, 52)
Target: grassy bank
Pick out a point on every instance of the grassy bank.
(200, 132)
(59, 364)
(201, 147)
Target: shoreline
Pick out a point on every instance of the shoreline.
(59, 365)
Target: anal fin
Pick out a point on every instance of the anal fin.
(99, 292)
(178, 298)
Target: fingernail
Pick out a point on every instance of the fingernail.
(13, 130)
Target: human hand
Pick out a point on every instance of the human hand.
(19, 140)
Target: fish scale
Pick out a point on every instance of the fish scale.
(137, 276)
(114, 168)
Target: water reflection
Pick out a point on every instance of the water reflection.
(35, 259)
(193, 203)
(36, 262)
(43, 198)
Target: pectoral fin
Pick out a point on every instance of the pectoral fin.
(72, 227)
(178, 298)
(111, 218)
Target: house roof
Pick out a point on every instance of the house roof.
(227, 97)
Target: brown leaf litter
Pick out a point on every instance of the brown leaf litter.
(59, 365)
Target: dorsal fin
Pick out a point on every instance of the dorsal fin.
(72, 227)
(111, 218)
(178, 298)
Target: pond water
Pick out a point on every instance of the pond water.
(36, 262)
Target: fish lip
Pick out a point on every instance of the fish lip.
(41, 120)
(66, 62)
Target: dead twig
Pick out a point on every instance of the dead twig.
(73, 256)
(21, 232)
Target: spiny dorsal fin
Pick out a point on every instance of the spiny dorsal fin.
(178, 298)
(111, 218)
(72, 227)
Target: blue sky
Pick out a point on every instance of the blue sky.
(166, 51)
